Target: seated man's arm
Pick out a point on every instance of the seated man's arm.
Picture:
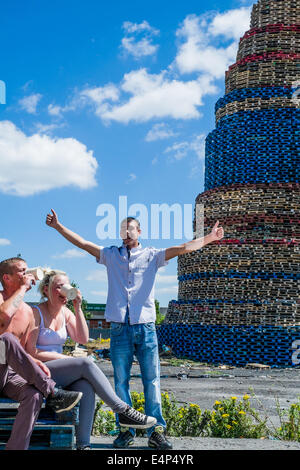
(72, 237)
(216, 234)
(10, 306)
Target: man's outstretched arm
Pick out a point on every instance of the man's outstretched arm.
(72, 237)
(217, 233)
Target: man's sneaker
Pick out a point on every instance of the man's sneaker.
(158, 439)
(124, 439)
(132, 418)
(63, 400)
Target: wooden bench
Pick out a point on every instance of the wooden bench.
(51, 431)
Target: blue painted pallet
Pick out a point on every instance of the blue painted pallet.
(235, 345)
(52, 431)
(44, 436)
(270, 141)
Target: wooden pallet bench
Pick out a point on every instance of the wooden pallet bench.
(52, 431)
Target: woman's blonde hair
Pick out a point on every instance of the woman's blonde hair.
(49, 275)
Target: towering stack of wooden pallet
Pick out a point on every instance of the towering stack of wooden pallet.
(238, 299)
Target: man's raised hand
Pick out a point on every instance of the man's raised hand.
(27, 281)
(52, 219)
(217, 232)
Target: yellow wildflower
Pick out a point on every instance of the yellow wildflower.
(246, 397)
(228, 426)
(233, 398)
(217, 403)
(225, 415)
(242, 412)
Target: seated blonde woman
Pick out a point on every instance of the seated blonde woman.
(53, 323)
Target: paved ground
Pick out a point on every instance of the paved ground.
(197, 443)
(206, 384)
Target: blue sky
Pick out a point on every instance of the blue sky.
(106, 99)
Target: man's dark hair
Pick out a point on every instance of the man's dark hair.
(130, 219)
(6, 266)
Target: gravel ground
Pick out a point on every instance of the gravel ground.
(206, 384)
(198, 443)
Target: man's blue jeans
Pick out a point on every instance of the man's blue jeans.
(141, 340)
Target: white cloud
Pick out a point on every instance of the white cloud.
(55, 110)
(207, 45)
(131, 44)
(197, 145)
(131, 178)
(71, 253)
(138, 27)
(197, 53)
(4, 242)
(36, 163)
(166, 283)
(197, 171)
(27, 85)
(180, 150)
(73, 103)
(99, 97)
(159, 132)
(97, 276)
(99, 293)
(167, 290)
(231, 24)
(157, 96)
(29, 103)
(166, 279)
(47, 128)
(140, 48)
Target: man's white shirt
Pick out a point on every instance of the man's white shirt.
(131, 282)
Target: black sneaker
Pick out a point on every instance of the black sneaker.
(124, 439)
(63, 400)
(132, 418)
(158, 440)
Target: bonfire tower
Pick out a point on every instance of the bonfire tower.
(238, 299)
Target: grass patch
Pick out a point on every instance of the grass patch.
(229, 418)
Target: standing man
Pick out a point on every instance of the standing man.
(23, 378)
(130, 308)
